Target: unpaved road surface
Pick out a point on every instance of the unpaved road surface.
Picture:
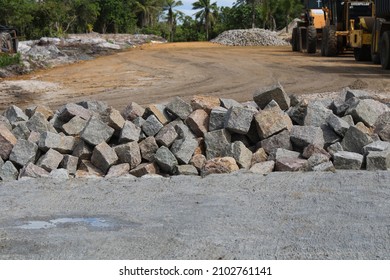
(343, 215)
(156, 73)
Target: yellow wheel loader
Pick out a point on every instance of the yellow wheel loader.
(349, 25)
(308, 33)
(8, 40)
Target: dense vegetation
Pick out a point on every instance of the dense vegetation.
(37, 18)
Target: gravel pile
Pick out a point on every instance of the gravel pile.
(249, 37)
(274, 132)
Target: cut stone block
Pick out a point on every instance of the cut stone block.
(33, 171)
(348, 119)
(312, 149)
(280, 140)
(198, 161)
(378, 160)
(283, 153)
(7, 141)
(263, 168)
(15, 114)
(217, 118)
(323, 167)
(166, 136)
(130, 132)
(302, 136)
(334, 148)
(59, 174)
(148, 148)
(206, 103)
(74, 126)
(96, 131)
(152, 126)
(298, 112)
(129, 153)
(82, 150)
(316, 159)
(259, 156)
(8, 172)
(114, 119)
(241, 154)
(228, 103)
(347, 160)
(145, 169)
(23, 152)
(316, 114)
(39, 123)
(160, 112)
(265, 95)
(70, 110)
(183, 149)
(187, 170)
(271, 121)
(118, 170)
(88, 170)
(220, 165)
(44, 110)
(70, 163)
(198, 122)
(217, 143)
(330, 137)
(132, 111)
(367, 111)
(179, 108)
(382, 126)
(377, 146)
(354, 140)
(182, 130)
(166, 160)
(103, 157)
(51, 160)
(62, 144)
(238, 120)
(337, 124)
(290, 164)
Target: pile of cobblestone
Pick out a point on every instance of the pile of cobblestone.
(274, 132)
(250, 37)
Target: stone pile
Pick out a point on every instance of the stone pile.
(274, 132)
(250, 37)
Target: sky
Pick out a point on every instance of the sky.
(187, 5)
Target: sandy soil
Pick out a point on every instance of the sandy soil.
(156, 73)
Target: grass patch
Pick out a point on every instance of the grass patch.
(9, 59)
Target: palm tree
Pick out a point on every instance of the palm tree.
(253, 4)
(169, 6)
(146, 10)
(207, 13)
(290, 7)
(268, 9)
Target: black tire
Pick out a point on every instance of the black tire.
(331, 42)
(362, 54)
(324, 40)
(311, 39)
(294, 39)
(15, 44)
(385, 50)
(299, 40)
(375, 57)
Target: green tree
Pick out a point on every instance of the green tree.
(268, 10)
(207, 14)
(253, 4)
(169, 7)
(290, 8)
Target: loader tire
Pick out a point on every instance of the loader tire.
(331, 42)
(311, 39)
(299, 40)
(294, 39)
(375, 57)
(324, 40)
(385, 50)
(362, 54)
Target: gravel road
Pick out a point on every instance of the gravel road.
(343, 215)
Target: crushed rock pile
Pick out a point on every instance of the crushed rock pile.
(274, 132)
(49, 52)
(250, 37)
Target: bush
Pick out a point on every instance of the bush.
(9, 59)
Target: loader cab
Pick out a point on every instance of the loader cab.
(313, 4)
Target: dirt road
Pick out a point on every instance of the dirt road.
(155, 73)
